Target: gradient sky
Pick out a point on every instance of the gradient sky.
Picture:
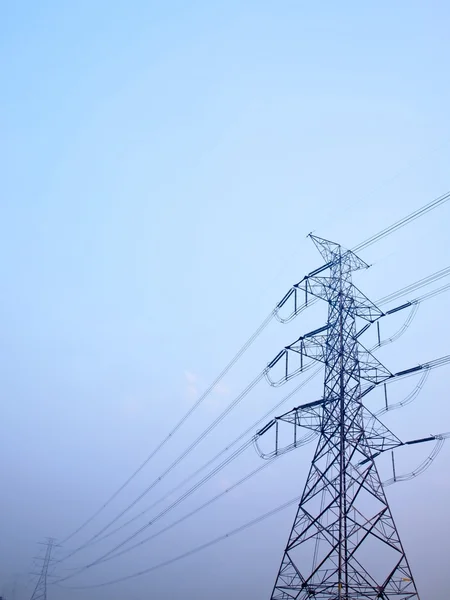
(162, 164)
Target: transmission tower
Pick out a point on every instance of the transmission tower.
(40, 591)
(344, 543)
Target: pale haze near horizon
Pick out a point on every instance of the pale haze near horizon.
(162, 165)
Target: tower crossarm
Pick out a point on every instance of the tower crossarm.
(293, 359)
(313, 346)
(284, 430)
(315, 287)
(285, 435)
(439, 440)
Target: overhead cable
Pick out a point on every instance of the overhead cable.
(193, 550)
(181, 457)
(185, 417)
(250, 430)
(387, 231)
(404, 221)
(397, 294)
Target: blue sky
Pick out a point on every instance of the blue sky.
(162, 165)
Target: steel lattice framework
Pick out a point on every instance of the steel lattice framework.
(40, 591)
(344, 543)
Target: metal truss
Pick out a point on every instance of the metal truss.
(344, 543)
(40, 591)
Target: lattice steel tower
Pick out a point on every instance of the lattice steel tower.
(344, 543)
(40, 591)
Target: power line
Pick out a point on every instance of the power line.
(253, 427)
(249, 430)
(409, 218)
(216, 540)
(183, 455)
(186, 416)
(416, 285)
(174, 504)
(113, 554)
(433, 293)
(404, 221)
(188, 515)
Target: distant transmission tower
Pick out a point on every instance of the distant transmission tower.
(344, 543)
(40, 591)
